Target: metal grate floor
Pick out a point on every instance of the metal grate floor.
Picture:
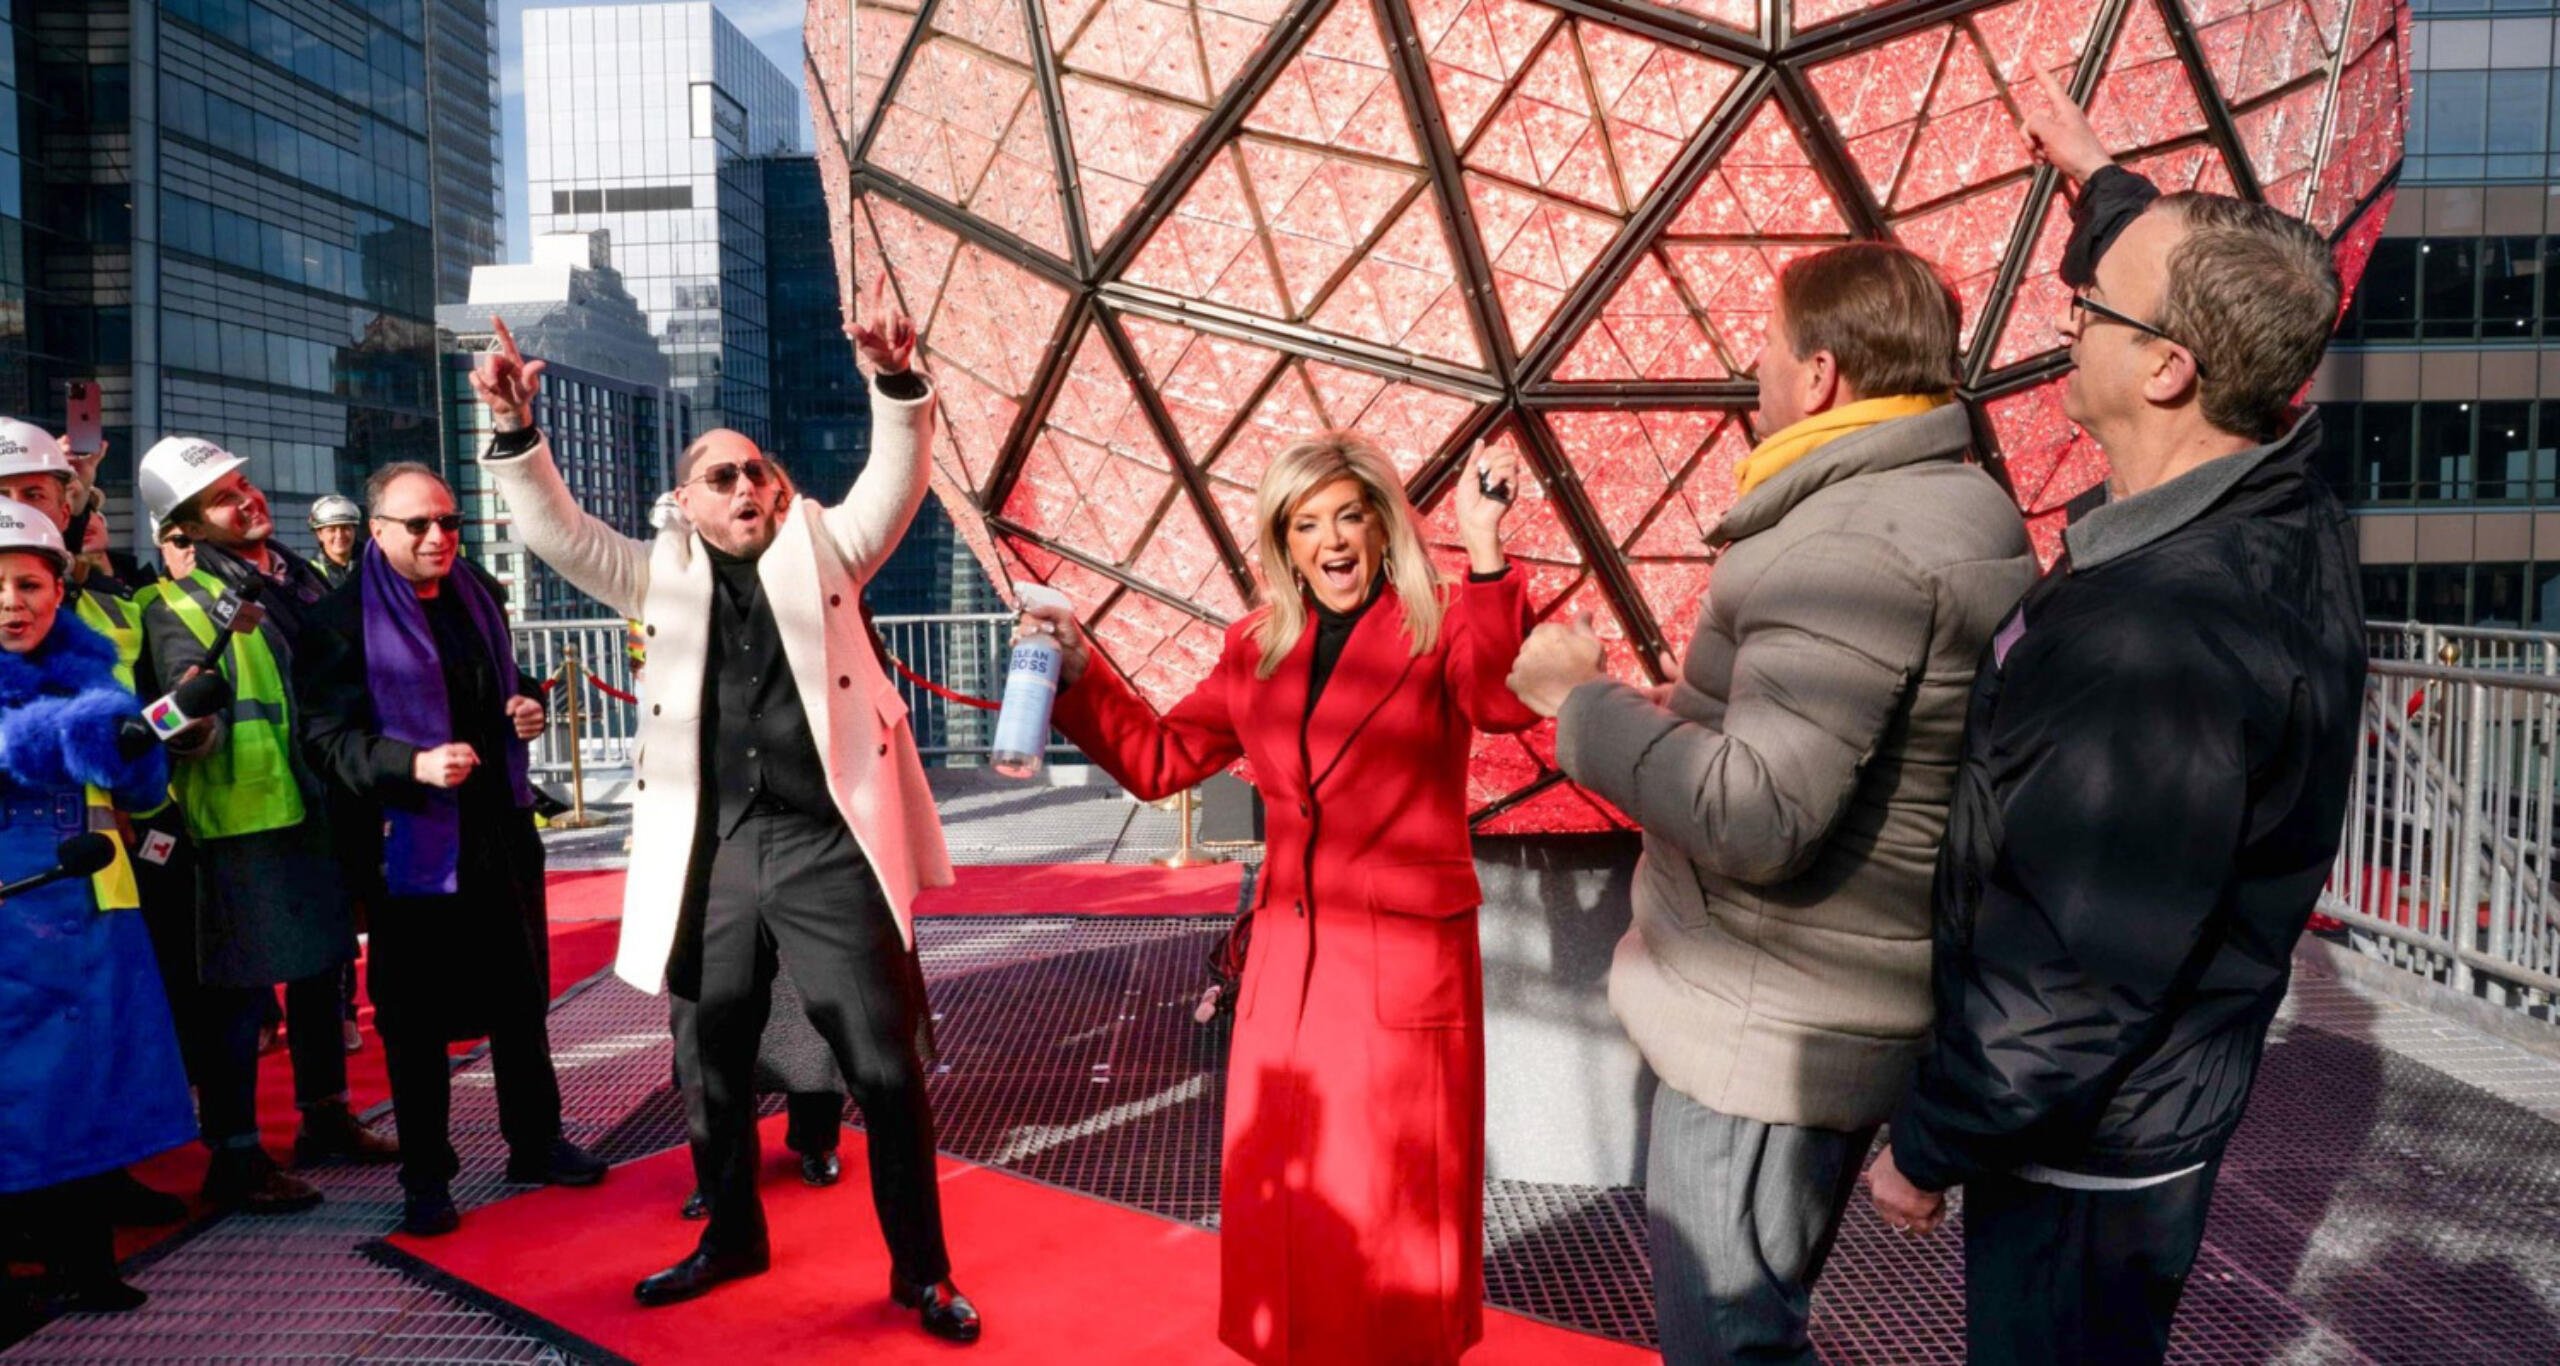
(2375, 1208)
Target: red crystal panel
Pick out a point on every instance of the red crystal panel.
(1763, 185)
(1814, 13)
(1474, 48)
(1161, 649)
(2253, 47)
(1923, 116)
(1594, 119)
(2048, 459)
(2036, 308)
(2369, 123)
(967, 127)
(2144, 98)
(1096, 477)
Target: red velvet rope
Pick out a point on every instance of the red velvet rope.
(900, 665)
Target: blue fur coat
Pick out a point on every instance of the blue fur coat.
(90, 1078)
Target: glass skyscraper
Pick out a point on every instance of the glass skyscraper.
(645, 120)
(464, 141)
(224, 215)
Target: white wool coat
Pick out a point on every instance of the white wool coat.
(813, 576)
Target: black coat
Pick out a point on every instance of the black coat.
(440, 963)
(2155, 771)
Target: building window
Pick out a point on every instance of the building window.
(2386, 592)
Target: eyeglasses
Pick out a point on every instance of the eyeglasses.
(2085, 304)
(723, 478)
(450, 524)
(178, 540)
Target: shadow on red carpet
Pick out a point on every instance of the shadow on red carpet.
(1063, 1279)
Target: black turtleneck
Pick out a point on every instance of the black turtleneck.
(1333, 631)
(757, 749)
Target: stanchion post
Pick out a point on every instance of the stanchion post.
(1188, 854)
(572, 674)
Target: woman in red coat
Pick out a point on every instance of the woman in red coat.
(1352, 1208)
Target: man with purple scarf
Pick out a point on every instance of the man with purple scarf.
(415, 710)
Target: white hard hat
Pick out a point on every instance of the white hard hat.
(177, 469)
(335, 509)
(24, 529)
(26, 448)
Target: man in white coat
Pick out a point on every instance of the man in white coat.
(782, 813)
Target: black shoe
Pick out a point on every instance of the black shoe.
(696, 1205)
(430, 1214)
(131, 1204)
(821, 1169)
(696, 1275)
(105, 1295)
(247, 1180)
(947, 1313)
(331, 1130)
(562, 1164)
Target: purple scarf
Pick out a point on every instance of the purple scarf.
(423, 852)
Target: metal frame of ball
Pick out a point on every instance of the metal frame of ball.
(1775, 66)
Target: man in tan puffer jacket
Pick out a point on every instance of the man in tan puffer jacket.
(1792, 783)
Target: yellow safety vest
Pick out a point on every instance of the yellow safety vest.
(247, 786)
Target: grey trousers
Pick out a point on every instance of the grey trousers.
(1741, 1216)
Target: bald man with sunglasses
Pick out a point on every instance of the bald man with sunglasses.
(782, 814)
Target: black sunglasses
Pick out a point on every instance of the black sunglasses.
(2085, 304)
(450, 524)
(723, 478)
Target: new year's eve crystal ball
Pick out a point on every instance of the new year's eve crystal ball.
(1152, 242)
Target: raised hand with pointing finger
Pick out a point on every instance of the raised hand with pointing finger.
(507, 383)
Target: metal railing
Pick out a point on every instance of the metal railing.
(2464, 647)
(965, 654)
(2446, 867)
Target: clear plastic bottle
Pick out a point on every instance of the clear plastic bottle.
(1030, 690)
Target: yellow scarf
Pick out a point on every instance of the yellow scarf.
(1786, 447)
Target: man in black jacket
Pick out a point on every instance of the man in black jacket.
(2154, 776)
(416, 713)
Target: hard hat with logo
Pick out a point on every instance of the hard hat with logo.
(23, 528)
(335, 509)
(26, 448)
(177, 469)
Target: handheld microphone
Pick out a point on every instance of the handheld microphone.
(235, 613)
(204, 695)
(82, 855)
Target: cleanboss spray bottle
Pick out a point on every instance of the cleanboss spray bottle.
(1030, 689)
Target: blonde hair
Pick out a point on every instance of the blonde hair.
(1295, 475)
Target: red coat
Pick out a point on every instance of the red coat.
(1352, 1205)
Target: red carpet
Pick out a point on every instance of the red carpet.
(1062, 1278)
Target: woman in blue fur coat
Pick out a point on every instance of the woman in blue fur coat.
(90, 1078)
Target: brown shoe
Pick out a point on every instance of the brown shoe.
(247, 1180)
(333, 1131)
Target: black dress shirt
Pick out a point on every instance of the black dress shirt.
(758, 753)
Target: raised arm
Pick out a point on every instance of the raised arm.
(1152, 756)
(867, 525)
(603, 563)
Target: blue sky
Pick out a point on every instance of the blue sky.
(773, 25)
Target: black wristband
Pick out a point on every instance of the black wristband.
(508, 445)
(906, 386)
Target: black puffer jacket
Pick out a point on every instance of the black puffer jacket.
(2155, 772)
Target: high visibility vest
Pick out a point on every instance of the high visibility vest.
(113, 885)
(247, 786)
(119, 620)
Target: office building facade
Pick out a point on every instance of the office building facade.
(465, 145)
(614, 423)
(646, 121)
(2440, 399)
(225, 218)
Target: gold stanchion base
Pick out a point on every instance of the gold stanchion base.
(1189, 858)
(578, 820)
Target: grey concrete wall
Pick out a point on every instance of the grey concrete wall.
(1565, 1094)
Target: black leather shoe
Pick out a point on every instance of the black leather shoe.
(430, 1214)
(947, 1313)
(697, 1205)
(130, 1204)
(696, 1275)
(562, 1164)
(821, 1169)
